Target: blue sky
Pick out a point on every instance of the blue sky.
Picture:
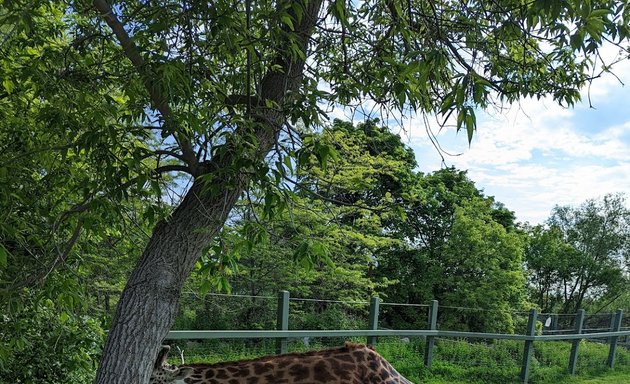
(536, 154)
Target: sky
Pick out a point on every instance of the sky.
(535, 155)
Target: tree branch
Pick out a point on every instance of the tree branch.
(172, 168)
(68, 247)
(42, 275)
(158, 101)
(319, 196)
(169, 153)
(233, 100)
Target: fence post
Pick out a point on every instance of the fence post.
(529, 345)
(616, 327)
(554, 322)
(579, 323)
(282, 323)
(428, 348)
(373, 320)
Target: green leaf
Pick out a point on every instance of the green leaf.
(577, 40)
(3, 256)
(460, 94)
(302, 256)
(341, 11)
(205, 287)
(600, 12)
(223, 284)
(319, 251)
(595, 27)
(8, 85)
(32, 51)
(461, 116)
(447, 104)
(470, 126)
(288, 20)
(299, 11)
(288, 163)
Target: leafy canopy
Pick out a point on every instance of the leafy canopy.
(108, 122)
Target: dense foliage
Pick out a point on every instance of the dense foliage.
(44, 344)
(104, 103)
(362, 223)
(381, 228)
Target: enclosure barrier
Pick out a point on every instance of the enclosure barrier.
(282, 334)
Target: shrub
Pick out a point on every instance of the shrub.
(44, 345)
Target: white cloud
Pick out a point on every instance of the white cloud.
(538, 154)
(533, 190)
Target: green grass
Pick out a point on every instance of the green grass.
(456, 361)
(499, 362)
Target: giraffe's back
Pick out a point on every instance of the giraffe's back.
(351, 364)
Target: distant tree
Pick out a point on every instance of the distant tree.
(481, 267)
(430, 204)
(549, 262)
(582, 255)
(325, 243)
(461, 247)
(339, 213)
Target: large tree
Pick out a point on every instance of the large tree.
(482, 267)
(461, 249)
(128, 91)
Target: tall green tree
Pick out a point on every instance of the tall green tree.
(327, 242)
(430, 204)
(461, 248)
(137, 90)
(481, 267)
(549, 262)
(583, 255)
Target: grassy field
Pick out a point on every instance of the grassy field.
(499, 362)
(459, 362)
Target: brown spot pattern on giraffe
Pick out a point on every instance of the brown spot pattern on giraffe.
(351, 364)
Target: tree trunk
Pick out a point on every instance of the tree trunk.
(148, 304)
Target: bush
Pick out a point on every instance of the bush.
(44, 345)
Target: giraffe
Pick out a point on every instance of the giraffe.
(350, 364)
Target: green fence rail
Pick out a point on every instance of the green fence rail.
(282, 334)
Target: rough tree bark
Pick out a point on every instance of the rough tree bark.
(149, 301)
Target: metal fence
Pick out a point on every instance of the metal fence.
(540, 328)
